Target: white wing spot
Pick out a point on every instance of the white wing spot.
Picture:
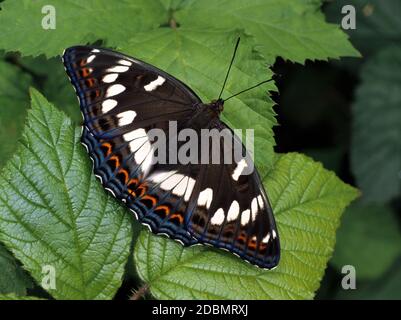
(137, 143)
(205, 198)
(254, 208)
(238, 170)
(144, 156)
(181, 188)
(233, 212)
(260, 201)
(114, 90)
(125, 62)
(110, 77)
(266, 238)
(158, 177)
(118, 69)
(135, 134)
(154, 84)
(137, 139)
(245, 216)
(190, 187)
(218, 217)
(182, 185)
(90, 58)
(108, 105)
(171, 181)
(126, 117)
(95, 50)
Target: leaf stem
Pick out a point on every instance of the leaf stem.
(140, 293)
(173, 23)
(171, 20)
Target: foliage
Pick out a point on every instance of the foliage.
(379, 234)
(370, 235)
(12, 277)
(307, 201)
(376, 149)
(54, 212)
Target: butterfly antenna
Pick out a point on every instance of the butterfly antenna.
(229, 68)
(253, 87)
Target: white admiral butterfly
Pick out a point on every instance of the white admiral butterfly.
(122, 99)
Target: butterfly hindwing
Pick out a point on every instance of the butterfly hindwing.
(231, 210)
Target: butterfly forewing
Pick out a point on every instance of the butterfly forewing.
(121, 100)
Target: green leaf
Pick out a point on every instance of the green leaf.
(6, 297)
(14, 101)
(54, 212)
(377, 23)
(50, 76)
(386, 287)
(330, 157)
(307, 200)
(13, 279)
(369, 239)
(202, 61)
(293, 29)
(77, 22)
(376, 140)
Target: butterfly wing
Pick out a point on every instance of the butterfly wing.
(230, 210)
(121, 99)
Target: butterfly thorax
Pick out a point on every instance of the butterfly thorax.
(207, 114)
(217, 106)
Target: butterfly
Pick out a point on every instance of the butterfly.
(122, 99)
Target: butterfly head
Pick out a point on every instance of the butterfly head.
(217, 106)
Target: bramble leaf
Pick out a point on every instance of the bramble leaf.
(373, 227)
(7, 297)
(54, 84)
(202, 62)
(54, 213)
(13, 278)
(376, 146)
(76, 22)
(377, 23)
(386, 287)
(293, 29)
(307, 201)
(14, 101)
